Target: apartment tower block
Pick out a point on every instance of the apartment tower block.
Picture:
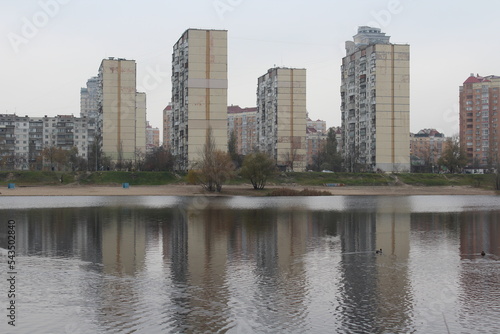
(281, 116)
(479, 125)
(375, 93)
(199, 94)
(122, 110)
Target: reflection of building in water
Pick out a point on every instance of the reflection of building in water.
(123, 243)
(393, 228)
(206, 264)
(480, 231)
(393, 283)
(65, 232)
(199, 244)
(281, 282)
(374, 293)
(478, 276)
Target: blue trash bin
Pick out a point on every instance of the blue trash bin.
(125, 185)
(12, 186)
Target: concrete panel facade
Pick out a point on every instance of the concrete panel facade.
(199, 94)
(123, 110)
(376, 103)
(281, 116)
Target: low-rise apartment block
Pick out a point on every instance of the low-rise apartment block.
(22, 139)
(426, 147)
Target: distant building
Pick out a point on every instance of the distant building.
(199, 94)
(167, 126)
(319, 125)
(152, 138)
(281, 116)
(427, 145)
(122, 110)
(89, 109)
(314, 143)
(316, 135)
(479, 121)
(140, 122)
(89, 99)
(243, 121)
(22, 139)
(14, 142)
(375, 93)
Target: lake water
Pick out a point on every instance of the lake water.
(253, 265)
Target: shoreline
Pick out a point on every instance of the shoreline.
(235, 190)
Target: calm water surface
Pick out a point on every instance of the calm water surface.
(253, 265)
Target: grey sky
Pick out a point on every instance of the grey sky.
(43, 68)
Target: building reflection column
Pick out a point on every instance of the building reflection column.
(392, 234)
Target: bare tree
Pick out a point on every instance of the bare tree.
(215, 166)
(292, 156)
(454, 157)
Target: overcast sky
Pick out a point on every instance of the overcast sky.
(49, 48)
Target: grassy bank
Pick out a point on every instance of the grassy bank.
(30, 178)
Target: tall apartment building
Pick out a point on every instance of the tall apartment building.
(243, 121)
(375, 93)
(479, 125)
(281, 116)
(199, 94)
(122, 110)
(89, 99)
(167, 121)
(89, 108)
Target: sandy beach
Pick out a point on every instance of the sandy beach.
(232, 190)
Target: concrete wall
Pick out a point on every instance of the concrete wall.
(393, 107)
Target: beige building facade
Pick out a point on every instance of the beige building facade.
(243, 122)
(281, 116)
(122, 110)
(199, 94)
(428, 145)
(375, 93)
